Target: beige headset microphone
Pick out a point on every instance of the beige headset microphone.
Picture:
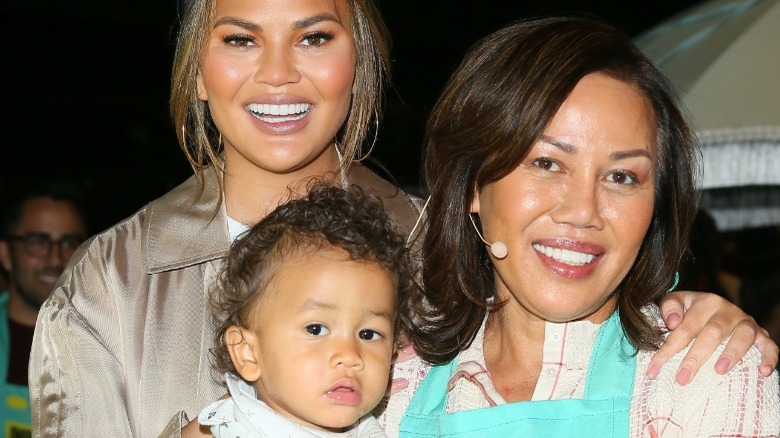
(497, 248)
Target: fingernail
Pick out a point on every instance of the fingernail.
(653, 371)
(722, 365)
(673, 318)
(683, 376)
(765, 370)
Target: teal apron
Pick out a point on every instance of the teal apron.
(603, 412)
(14, 399)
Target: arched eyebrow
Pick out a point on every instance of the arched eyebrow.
(622, 155)
(614, 156)
(298, 25)
(562, 145)
(233, 21)
(319, 18)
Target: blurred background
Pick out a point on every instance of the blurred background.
(87, 85)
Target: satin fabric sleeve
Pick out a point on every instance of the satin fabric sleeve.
(174, 427)
(122, 345)
(120, 350)
(75, 370)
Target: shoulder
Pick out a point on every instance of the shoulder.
(184, 227)
(407, 211)
(403, 207)
(413, 371)
(99, 255)
(738, 402)
(162, 236)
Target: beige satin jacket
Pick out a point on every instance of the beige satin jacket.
(122, 345)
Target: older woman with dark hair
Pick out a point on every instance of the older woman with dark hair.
(562, 175)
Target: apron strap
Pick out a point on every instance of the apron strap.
(604, 408)
(612, 363)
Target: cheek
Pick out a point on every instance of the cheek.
(286, 369)
(631, 220)
(220, 76)
(378, 353)
(516, 205)
(532, 199)
(336, 77)
(381, 363)
(24, 262)
(386, 357)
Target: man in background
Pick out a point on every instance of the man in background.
(40, 228)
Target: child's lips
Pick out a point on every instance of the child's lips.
(346, 393)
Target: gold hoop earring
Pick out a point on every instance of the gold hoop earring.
(373, 142)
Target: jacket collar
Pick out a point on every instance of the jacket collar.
(182, 228)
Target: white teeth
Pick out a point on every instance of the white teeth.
(566, 256)
(266, 109)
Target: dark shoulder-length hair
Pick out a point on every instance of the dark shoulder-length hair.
(491, 112)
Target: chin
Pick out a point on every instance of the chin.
(555, 313)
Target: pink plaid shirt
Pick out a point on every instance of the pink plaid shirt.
(738, 404)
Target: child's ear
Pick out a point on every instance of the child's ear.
(242, 345)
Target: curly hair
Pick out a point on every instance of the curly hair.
(327, 217)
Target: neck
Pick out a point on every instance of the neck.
(514, 347)
(251, 192)
(513, 352)
(20, 311)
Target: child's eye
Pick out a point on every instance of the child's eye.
(317, 329)
(369, 335)
(316, 39)
(546, 164)
(622, 178)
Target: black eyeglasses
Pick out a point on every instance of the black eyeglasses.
(40, 244)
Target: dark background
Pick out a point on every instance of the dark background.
(86, 86)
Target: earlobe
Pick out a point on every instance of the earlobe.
(474, 208)
(202, 95)
(242, 345)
